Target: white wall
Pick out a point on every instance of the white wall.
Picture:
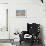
(35, 12)
(3, 1)
(4, 34)
(3, 21)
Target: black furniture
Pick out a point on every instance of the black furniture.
(42, 1)
(33, 30)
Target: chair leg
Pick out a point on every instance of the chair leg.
(32, 42)
(20, 42)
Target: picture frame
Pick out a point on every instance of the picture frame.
(21, 13)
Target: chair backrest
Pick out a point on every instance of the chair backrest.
(33, 28)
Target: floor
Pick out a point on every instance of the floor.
(26, 44)
(23, 44)
(5, 44)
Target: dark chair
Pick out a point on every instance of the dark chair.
(32, 29)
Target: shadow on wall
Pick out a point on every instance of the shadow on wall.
(41, 34)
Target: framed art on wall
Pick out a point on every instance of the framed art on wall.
(20, 13)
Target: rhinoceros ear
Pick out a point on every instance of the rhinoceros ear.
(42, 1)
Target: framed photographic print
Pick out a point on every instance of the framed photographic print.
(20, 13)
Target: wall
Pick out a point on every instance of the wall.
(35, 12)
(3, 1)
(4, 34)
(3, 21)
